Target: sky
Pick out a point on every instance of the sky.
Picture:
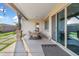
(9, 17)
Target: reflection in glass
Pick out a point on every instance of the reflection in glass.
(73, 27)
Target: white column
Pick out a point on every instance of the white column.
(50, 27)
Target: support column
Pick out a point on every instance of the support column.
(50, 28)
(19, 48)
(19, 21)
(19, 24)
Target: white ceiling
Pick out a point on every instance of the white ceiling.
(35, 10)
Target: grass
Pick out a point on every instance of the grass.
(7, 33)
(4, 44)
(3, 35)
(7, 43)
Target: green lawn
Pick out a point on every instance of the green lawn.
(3, 35)
(5, 43)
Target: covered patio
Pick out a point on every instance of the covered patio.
(38, 30)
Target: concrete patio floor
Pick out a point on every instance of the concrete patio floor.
(19, 49)
(35, 46)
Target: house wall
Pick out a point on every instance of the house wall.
(46, 31)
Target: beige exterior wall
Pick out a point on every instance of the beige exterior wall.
(46, 32)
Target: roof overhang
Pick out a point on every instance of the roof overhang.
(33, 11)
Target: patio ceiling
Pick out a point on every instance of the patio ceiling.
(35, 10)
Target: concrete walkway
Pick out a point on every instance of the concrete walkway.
(19, 49)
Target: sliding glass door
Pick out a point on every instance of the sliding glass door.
(60, 27)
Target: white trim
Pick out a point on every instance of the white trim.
(65, 31)
(65, 49)
(50, 27)
(56, 26)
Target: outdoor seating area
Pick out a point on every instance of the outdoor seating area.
(35, 35)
